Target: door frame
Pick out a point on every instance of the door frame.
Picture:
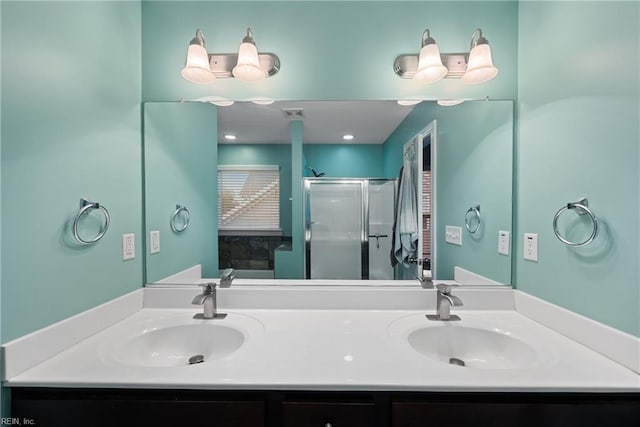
(428, 131)
(431, 131)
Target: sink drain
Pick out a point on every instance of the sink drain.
(456, 361)
(198, 358)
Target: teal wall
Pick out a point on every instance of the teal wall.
(474, 166)
(181, 153)
(328, 50)
(578, 103)
(71, 90)
(344, 160)
(264, 154)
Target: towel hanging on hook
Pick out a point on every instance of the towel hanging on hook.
(410, 153)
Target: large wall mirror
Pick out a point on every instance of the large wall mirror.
(328, 190)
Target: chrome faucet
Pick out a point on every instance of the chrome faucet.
(208, 300)
(426, 281)
(444, 301)
(226, 278)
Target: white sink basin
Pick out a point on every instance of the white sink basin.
(174, 345)
(475, 347)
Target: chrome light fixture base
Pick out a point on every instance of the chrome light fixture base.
(222, 63)
(405, 66)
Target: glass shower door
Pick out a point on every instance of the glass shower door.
(381, 214)
(335, 232)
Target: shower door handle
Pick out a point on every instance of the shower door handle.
(378, 236)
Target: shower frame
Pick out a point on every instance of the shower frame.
(364, 232)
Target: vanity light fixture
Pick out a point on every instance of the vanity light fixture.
(480, 66)
(248, 67)
(348, 137)
(229, 137)
(223, 103)
(449, 102)
(430, 68)
(473, 67)
(247, 64)
(218, 101)
(409, 102)
(259, 100)
(197, 68)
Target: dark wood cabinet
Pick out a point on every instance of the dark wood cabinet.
(137, 408)
(515, 409)
(328, 414)
(109, 407)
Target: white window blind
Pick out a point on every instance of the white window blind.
(426, 214)
(249, 199)
(426, 192)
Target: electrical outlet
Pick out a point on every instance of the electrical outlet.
(128, 246)
(503, 242)
(453, 235)
(154, 240)
(531, 247)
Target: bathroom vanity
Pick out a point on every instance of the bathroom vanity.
(325, 356)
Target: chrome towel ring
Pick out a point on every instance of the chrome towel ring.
(582, 208)
(475, 213)
(85, 207)
(174, 219)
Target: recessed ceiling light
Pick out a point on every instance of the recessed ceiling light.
(449, 102)
(229, 137)
(347, 137)
(408, 102)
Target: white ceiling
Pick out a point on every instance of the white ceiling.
(325, 122)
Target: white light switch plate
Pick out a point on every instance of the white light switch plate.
(128, 246)
(154, 240)
(503, 242)
(453, 235)
(531, 247)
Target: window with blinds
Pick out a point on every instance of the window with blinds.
(249, 200)
(426, 214)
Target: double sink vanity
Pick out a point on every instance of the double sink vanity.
(298, 355)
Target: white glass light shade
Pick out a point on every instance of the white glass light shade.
(248, 67)
(430, 68)
(197, 68)
(480, 67)
(449, 102)
(261, 100)
(408, 102)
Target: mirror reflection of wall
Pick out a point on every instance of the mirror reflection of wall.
(472, 164)
(180, 157)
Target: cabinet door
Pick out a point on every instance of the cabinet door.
(329, 414)
(536, 412)
(140, 413)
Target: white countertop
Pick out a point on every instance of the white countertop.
(329, 349)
